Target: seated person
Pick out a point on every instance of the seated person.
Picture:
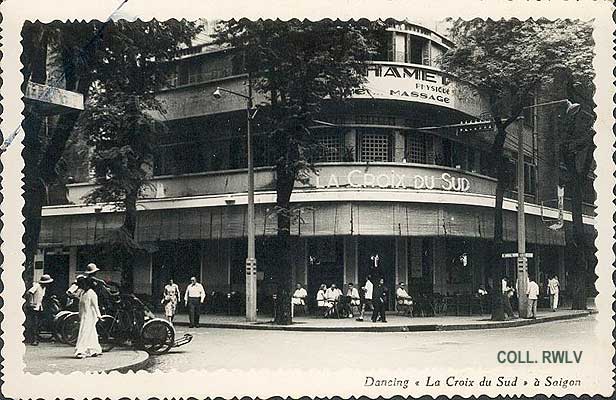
(332, 297)
(353, 300)
(299, 296)
(321, 300)
(404, 300)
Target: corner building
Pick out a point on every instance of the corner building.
(403, 182)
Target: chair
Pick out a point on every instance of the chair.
(406, 309)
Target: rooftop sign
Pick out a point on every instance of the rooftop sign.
(421, 85)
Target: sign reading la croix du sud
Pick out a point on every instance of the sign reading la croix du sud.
(394, 180)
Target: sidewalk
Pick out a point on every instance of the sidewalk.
(395, 323)
(57, 357)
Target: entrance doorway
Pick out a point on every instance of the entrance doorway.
(325, 265)
(56, 265)
(178, 261)
(377, 258)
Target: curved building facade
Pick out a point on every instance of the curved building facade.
(403, 182)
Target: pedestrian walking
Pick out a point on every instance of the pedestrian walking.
(379, 301)
(193, 298)
(171, 296)
(89, 314)
(507, 291)
(367, 290)
(533, 295)
(35, 306)
(554, 292)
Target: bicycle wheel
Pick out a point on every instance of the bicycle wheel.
(70, 329)
(105, 328)
(57, 325)
(157, 336)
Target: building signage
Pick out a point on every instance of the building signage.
(393, 180)
(420, 84)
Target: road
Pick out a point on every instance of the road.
(232, 348)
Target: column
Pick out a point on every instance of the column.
(562, 277)
(350, 260)
(401, 259)
(72, 264)
(300, 262)
(440, 267)
(350, 142)
(415, 249)
(399, 147)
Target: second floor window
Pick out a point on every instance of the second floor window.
(375, 146)
(416, 148)
(330, 147)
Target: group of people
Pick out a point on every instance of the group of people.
(331, 302)
(533, 293)
(194, 296)
(87, 289)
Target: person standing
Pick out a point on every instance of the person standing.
(554, 291)
(89, 314)
(367, 290)
(353, 300)
(35, 306)
(171, 296)
(194, 296)
(533, 295)
(507, 294)
(380, 298)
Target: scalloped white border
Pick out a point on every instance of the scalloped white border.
(263, 382)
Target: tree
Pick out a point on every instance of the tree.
(74, 56)
(122, 135)
(299, 66)
(508, 61)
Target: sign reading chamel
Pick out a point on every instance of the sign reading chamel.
(53, 100)
(394, 180)
(414, 83)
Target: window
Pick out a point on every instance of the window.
(330, 147)
(375, 120)
(374, 146)
(416, 148)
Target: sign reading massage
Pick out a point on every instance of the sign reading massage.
(419, 84)
(394, 180)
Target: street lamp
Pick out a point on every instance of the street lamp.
(251, 261)
(522, 259)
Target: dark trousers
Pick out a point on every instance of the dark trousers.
(34, 325)
(379, 311)
(507, 305)
(194, 309)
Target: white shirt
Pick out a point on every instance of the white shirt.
(553, 286)
(333, 294)
(299, 295)
(533, 290)
(37, 292)
(194, 290)
(354, 295)
(368, 287)
(401, 293)
(321, 298)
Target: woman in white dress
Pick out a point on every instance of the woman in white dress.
(171, 295)
(89, 314)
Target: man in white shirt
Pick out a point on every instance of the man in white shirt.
(554, 291)
(533, 295)
(332, 296)
(367, 304)
(299, 296)
(353, 300)
(35, 305)
(404, 300)
(193, 298)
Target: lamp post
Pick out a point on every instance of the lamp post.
(251, 261)
(522, 259)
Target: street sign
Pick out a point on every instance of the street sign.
(516, 255)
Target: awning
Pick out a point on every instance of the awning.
(314, 219)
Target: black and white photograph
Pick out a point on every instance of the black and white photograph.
(396, 202)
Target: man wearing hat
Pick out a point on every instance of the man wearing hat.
(35, 305)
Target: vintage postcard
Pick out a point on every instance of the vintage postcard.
(257, 199)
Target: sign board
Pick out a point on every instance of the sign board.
(516, 255)
(53, 100)
(420, 84)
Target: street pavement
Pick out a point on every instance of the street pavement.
(214, 348)
(57, 357)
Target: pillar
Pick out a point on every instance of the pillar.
(415, 249)
(300, 261)
(440, 266)
(72, 264)
(562, 277)
(401, 259)
(399, 147)
(350, 260)
(350, 142)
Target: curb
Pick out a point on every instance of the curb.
(143, 364)
(397, 328)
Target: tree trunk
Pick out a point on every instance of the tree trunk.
(495, 269)
(579, 248)
(285, 182)
(129, 226)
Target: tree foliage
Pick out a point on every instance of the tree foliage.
(299, 66)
